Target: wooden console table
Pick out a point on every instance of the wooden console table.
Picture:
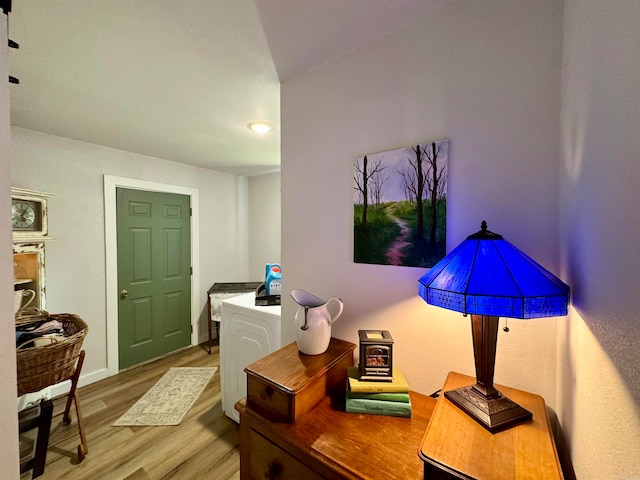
(325, 442)
(322, 441)
(328, 443)
(455, 446)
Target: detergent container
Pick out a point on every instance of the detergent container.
(273, 279)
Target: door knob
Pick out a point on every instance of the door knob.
(123, 294)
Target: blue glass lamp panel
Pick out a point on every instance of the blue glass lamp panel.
(451, 271)
(533, 279)
(455, 276)
(491, 275)
(511, 307)
(555, 306)
(449, 300)
(445, 283)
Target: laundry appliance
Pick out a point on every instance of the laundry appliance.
(248, 333)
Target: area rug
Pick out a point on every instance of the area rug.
(169, 400)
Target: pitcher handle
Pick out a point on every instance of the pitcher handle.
(339, 311)
(27, 293)
(30, 294)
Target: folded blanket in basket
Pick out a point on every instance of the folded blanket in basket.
(28, 332)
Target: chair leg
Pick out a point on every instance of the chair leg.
(43, 423)
(83, 448)
(66, 419)
(42, 441)
(209, 322)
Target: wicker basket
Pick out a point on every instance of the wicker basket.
(41, 366)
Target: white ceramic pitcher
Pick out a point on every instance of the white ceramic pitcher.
(19, 302)
(313, 321)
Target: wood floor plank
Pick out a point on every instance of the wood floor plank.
(138, 475)
(204, 445)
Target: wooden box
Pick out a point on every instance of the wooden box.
(287, 384)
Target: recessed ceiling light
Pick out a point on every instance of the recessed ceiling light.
(260, 127)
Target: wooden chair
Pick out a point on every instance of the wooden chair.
(38, 416)
(41, 366)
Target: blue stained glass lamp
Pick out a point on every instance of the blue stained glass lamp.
(488, 277)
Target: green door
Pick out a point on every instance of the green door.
(154, 274)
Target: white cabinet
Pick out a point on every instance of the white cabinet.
(247, 333)
(28, 272)
(30, 231)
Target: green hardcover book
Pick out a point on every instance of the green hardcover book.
(386, 396)
(397, 385)
(378, 407)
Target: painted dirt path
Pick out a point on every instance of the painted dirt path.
(394, 253)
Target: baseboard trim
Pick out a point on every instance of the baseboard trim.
(64, 387)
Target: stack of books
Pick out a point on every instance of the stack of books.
(378, 398)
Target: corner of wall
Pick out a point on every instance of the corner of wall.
(9, 453)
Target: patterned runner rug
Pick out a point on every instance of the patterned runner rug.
(169, 400)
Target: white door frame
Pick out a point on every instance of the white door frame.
(111, 182)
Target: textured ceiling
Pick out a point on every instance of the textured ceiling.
(180, 79)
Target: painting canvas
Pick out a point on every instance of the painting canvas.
(400, 206)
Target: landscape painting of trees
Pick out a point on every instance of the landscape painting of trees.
(400, 206)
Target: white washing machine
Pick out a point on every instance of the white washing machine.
(247, 333)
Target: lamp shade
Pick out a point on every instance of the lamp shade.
(487, 275)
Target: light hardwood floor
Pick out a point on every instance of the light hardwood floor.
(204, 446)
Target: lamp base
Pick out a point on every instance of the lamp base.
(494, 414)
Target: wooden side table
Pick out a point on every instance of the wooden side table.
(455, 446)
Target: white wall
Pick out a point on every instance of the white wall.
(599, 358)
(485, 75)
(264, 223)
(73, 171)
(9, 454)
(559, 182)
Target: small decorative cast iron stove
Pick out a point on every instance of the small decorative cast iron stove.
(376, 355)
